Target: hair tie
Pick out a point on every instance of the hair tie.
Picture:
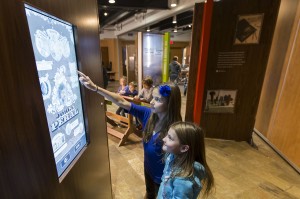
(165, 90)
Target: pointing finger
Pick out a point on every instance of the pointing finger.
(81, 74)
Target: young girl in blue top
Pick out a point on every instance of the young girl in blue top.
(165, 110)
(131, 91)
(186, 171)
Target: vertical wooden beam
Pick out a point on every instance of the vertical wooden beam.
(203, 54)
(195, 48)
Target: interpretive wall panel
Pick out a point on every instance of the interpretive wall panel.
(237, 59)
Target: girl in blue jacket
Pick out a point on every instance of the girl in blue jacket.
(186, 171)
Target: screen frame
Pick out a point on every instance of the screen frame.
(82, 91)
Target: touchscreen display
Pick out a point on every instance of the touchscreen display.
(54, 50)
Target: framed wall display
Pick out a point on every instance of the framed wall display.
(220, 101)
(248, 29)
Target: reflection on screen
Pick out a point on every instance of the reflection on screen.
(55, 56)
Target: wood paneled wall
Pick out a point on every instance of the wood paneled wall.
(246, 79)
(275, 65)
(27, 166)
(176, 49)
(113, 55)
(131, 63)
(195, 48)
(278, 122)
(123, 44)
(284, 131)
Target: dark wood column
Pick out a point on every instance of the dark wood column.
(27, 166)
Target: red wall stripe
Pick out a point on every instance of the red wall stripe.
(203, 53)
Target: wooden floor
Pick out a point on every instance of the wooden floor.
(240, 170)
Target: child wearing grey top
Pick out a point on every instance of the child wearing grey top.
(146, 92)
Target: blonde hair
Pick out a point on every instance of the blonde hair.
(192, 135)
(124, 78)
(132, 84)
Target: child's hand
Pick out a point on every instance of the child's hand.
(86, 81)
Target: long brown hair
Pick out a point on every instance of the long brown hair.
(173, 114)
(192, 135)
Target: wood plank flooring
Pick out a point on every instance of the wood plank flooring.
(240, 171)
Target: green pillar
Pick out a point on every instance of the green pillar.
(166, 57)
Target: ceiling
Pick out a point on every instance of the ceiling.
(120, 13)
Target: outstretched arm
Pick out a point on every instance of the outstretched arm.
(115, 98)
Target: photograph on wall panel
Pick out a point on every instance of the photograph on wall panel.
(220, 101)
(248, 29)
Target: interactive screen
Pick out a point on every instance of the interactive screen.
(54, 50)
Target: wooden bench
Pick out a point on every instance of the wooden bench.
(128, 122)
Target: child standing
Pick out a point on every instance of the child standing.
(186, 171)
(164, 111)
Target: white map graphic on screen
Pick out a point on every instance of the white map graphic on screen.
(56, 62)
(50, 42)
(62, 94)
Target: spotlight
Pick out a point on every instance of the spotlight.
(105, 13)
(148, 29)
(190, 26)
(173, 3)
(111, 1)
(175, 29)
(174, 19)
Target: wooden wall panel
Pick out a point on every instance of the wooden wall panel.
(248, 78)
(122, 44)
(27, 166)
(176, 52)
(176, 49)
(104, 56)
(285, 128)
(112, 45)
(275, 65)
(195, 48)
(283, 133)
(131, 63)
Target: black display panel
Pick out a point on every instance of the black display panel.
(53, 44)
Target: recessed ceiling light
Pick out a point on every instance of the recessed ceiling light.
(105, 13)
(173, 3)
(148, 29)
(111, 1)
